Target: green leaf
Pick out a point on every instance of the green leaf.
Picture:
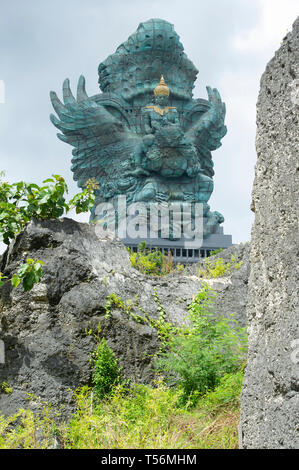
(15, 280)
(28, 281)
(44, 199)
(49, 180)
(23, 269)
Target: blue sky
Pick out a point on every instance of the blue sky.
(43, 42)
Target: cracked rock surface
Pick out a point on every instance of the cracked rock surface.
(45, 331)
(270, 397)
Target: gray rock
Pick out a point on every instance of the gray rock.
(270, 398)
(231, 289)
(45, 331)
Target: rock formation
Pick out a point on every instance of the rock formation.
(270, 398)
(45, 331)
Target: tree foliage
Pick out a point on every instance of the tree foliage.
(21, 202)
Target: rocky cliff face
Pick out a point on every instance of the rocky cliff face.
(270, 398)
(45, 331)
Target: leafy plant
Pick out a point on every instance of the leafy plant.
(217, 267)
(5, 388)
(225, 395)
(29, 274)
(28, 430)
(165, 329)
(84, 201)
(153, 262)
(20, 202)
(149, 417)
(106, 372)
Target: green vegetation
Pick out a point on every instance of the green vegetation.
(217, 267)
(164, 329)
(29, 274)
(5, 388)
(139, 417)
(207, 350)
(149, 417)
(194, 403)
(21, 202)
(195, 400)
(153, 262)
(106, 372)
(215, 252)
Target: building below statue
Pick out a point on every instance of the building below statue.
(182, 251)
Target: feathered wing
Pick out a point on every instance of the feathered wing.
(206, 128)
(94, 132)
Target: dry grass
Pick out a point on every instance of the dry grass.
(147, 418)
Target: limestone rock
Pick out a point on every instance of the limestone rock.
(270, 398)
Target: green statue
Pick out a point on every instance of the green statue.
(145, 136)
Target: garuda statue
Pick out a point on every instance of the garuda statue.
(145, 136)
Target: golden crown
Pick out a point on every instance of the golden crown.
(161, 88)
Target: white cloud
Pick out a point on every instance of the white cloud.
(275, 20)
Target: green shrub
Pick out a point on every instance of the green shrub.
(215, 252)
(106, 372)
(225, 395)
(149, 262)
(28, 430)
(139, 417)
(153, 262)
(210, 348)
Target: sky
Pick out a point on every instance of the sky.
(42, 42)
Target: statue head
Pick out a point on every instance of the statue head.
(161, 93)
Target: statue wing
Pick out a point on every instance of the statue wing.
(93, 131)
(204, 125)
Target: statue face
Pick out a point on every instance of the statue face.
(161, 100)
